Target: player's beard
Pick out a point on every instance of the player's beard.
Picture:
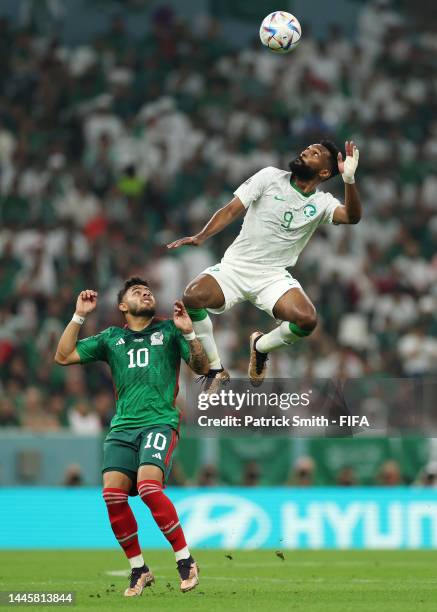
(142, 311)
(301, 170)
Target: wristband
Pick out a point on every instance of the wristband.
(350, 180)
(78, 319)
(190, 336)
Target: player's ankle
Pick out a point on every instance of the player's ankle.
(184, 567)
(186, 561)
(137, 562)
(256, 342)
(183, 554)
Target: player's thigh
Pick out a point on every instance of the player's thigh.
(156, 450)
(204, 292)
(269, 288)
(232, 284)
(295, 306)
(120, 454)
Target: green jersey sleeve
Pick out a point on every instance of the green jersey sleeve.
(184, 347)
(92, 348)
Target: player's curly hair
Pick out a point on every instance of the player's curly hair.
(334, 151)
(134, 280)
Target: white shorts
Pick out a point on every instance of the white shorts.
(261, 286)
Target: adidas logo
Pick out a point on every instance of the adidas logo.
(157, 456)
(121, 341)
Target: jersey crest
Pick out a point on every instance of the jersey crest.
(157, 338)
(309, 211)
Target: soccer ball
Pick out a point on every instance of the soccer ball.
(280, 32)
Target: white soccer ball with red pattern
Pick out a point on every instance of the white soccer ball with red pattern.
(280, 32)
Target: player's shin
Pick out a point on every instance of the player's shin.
(203, 328)
(165, 516)
(123, 524)
(284, 335)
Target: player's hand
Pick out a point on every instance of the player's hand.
(188, 241)
(347, 168)
(181, 318)
(86, 302)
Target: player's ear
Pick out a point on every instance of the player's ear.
(123, 307)
(325, 174)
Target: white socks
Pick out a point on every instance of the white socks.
(184, 553)
(281, 336)
(137, 561)
(204, 332)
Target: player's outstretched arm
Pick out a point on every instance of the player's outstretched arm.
(198, 361)
(66, 353)
(351, 212)
(221, 219)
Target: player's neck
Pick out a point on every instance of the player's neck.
(138, 323)
(305, 186)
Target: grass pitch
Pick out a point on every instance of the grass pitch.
(310, 581)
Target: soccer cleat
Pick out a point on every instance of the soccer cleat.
(257, 362)
(189, 573)
(214, 381)
(140, 577)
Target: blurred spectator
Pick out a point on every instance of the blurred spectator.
(8, 416)
(418, 352)
(389, 474)
(428, 476)
(56, 406)
(251, 474)
(104, 404)
(303, 473)
(208, 476)
(34, 416)
(82, 420)
(73, 476)
(346, 477)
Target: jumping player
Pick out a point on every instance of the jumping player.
(144, 359)
(282, 211)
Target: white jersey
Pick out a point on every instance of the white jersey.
(279, 221)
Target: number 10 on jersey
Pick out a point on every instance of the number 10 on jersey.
(138, 358)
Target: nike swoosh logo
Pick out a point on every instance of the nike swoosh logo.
(279, 198)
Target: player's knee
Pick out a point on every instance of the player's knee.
(113, 494)
(307, 319)
(195, 296)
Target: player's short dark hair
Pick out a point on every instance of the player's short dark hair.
(131, 282)
(334, 151)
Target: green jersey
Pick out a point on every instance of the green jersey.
(145, 369)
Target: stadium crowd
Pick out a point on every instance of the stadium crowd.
(112, 149)
(302, 474)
